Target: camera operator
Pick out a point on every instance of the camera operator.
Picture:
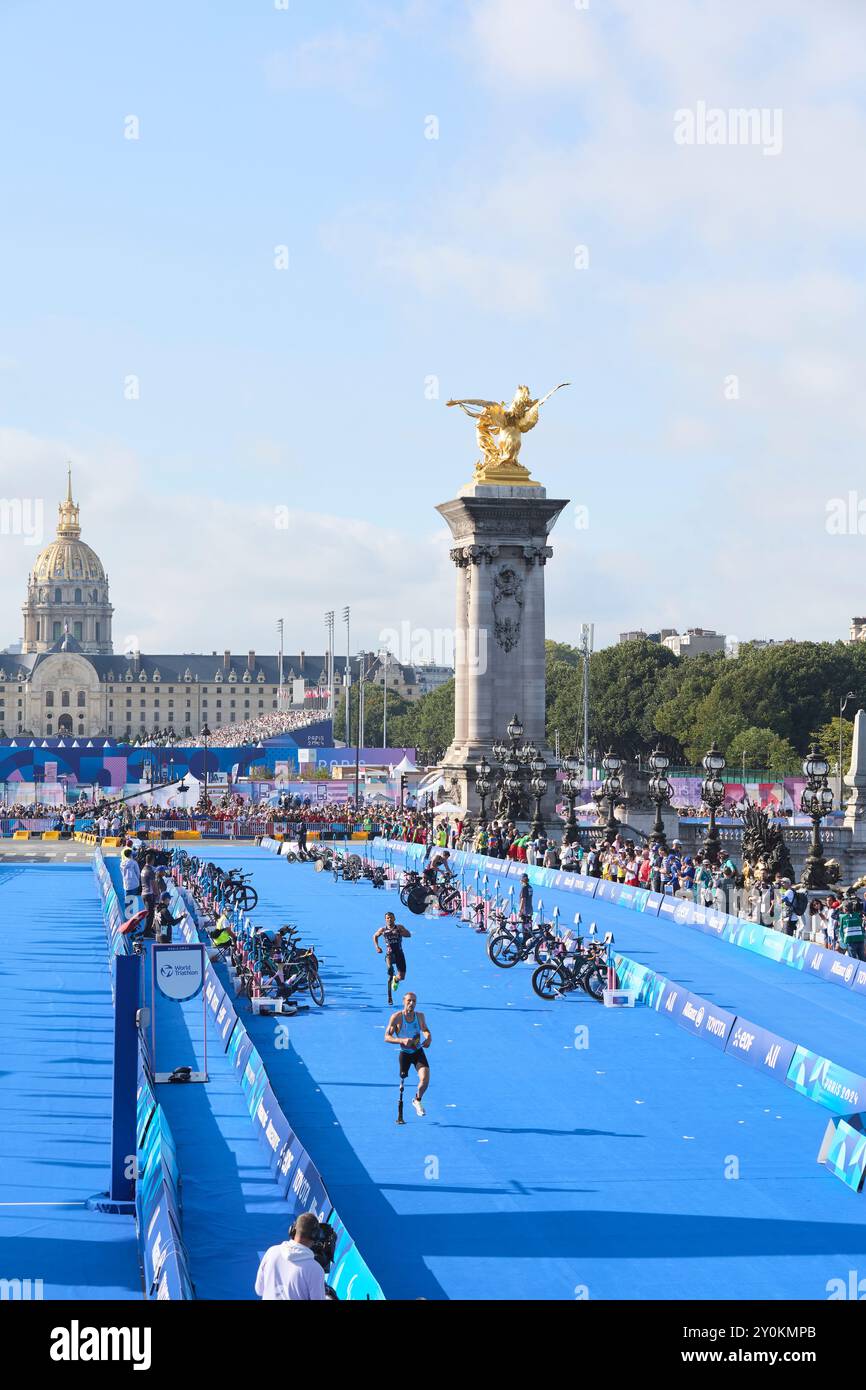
(290, 1271)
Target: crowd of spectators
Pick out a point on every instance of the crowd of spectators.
(247, 731)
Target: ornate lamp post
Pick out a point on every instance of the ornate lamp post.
(482, 786)
(610, 791)
(816, 802)
(660, 791)
(538, 786)
(571, 766)
(205, 733)
(712, 796)
(509, 756)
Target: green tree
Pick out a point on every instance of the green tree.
(680, 691)
(426, 725)
(827, 739)
(623, 697)
(373, 714)
(762, 748)
(561, 651)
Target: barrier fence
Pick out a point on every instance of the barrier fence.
(297, 1176)
(162, 1252)
(158, 1190)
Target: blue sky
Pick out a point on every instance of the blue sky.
(450, 258)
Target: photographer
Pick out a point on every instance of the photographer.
(290, 1271)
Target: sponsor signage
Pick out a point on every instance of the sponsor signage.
(760, 1048)
(835, 1087)
(178, 971)
(706, 1020)
(829, 965)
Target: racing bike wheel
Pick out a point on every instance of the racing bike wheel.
(549, 981)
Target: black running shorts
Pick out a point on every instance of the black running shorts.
(417, 1059)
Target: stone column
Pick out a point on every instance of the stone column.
(461, 620)
(501, 534)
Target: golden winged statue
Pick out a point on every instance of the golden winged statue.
(499, 429)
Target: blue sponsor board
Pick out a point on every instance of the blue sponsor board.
(829, 965)
(583, 883)
(627, 895)
(290, 1155)
(705, 1020)
(654, 902)
(647, 985)
(174, 1280)
(835, 1087)
(273, 1128)
(253, 1081)
(858, 983)
(760, 1048)
(844, 1150)
(670, 999)
(607, 890)
(161, 1241)
(677, 910)
(239, 1048)
(306, 1191)
(349, 1276)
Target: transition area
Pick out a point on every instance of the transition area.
(56, 1030)
(568, 1151)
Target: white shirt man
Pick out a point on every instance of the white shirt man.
(290, 1271)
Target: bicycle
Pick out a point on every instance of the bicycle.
(585, 968)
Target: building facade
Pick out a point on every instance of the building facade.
(66, 678)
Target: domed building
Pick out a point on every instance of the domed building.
(68, 682)
(67, 591)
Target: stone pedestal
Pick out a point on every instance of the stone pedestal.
(855, 783)
(500, 553)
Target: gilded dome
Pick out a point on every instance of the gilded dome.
(68, 557)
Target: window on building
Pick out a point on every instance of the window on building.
(64, 699)
(82, 699)
(98, 637)
(77, 595)
(49, 699)
(38, 627)
(55, 632)
(77, 631)
(57, 598)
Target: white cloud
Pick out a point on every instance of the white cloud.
(195, 573)
(533, 45)
(336, 60)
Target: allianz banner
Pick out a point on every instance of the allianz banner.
(829, 965)
(760, 1048)
(705, 1020)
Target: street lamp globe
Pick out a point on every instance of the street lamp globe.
(814, 765)
(515, 728)
(610, 762)
(659, 762)
(714, 761)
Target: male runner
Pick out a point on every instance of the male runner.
(409, 1030)
(393, 935)
(439, 861)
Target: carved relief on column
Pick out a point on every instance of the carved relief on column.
(507, 607)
